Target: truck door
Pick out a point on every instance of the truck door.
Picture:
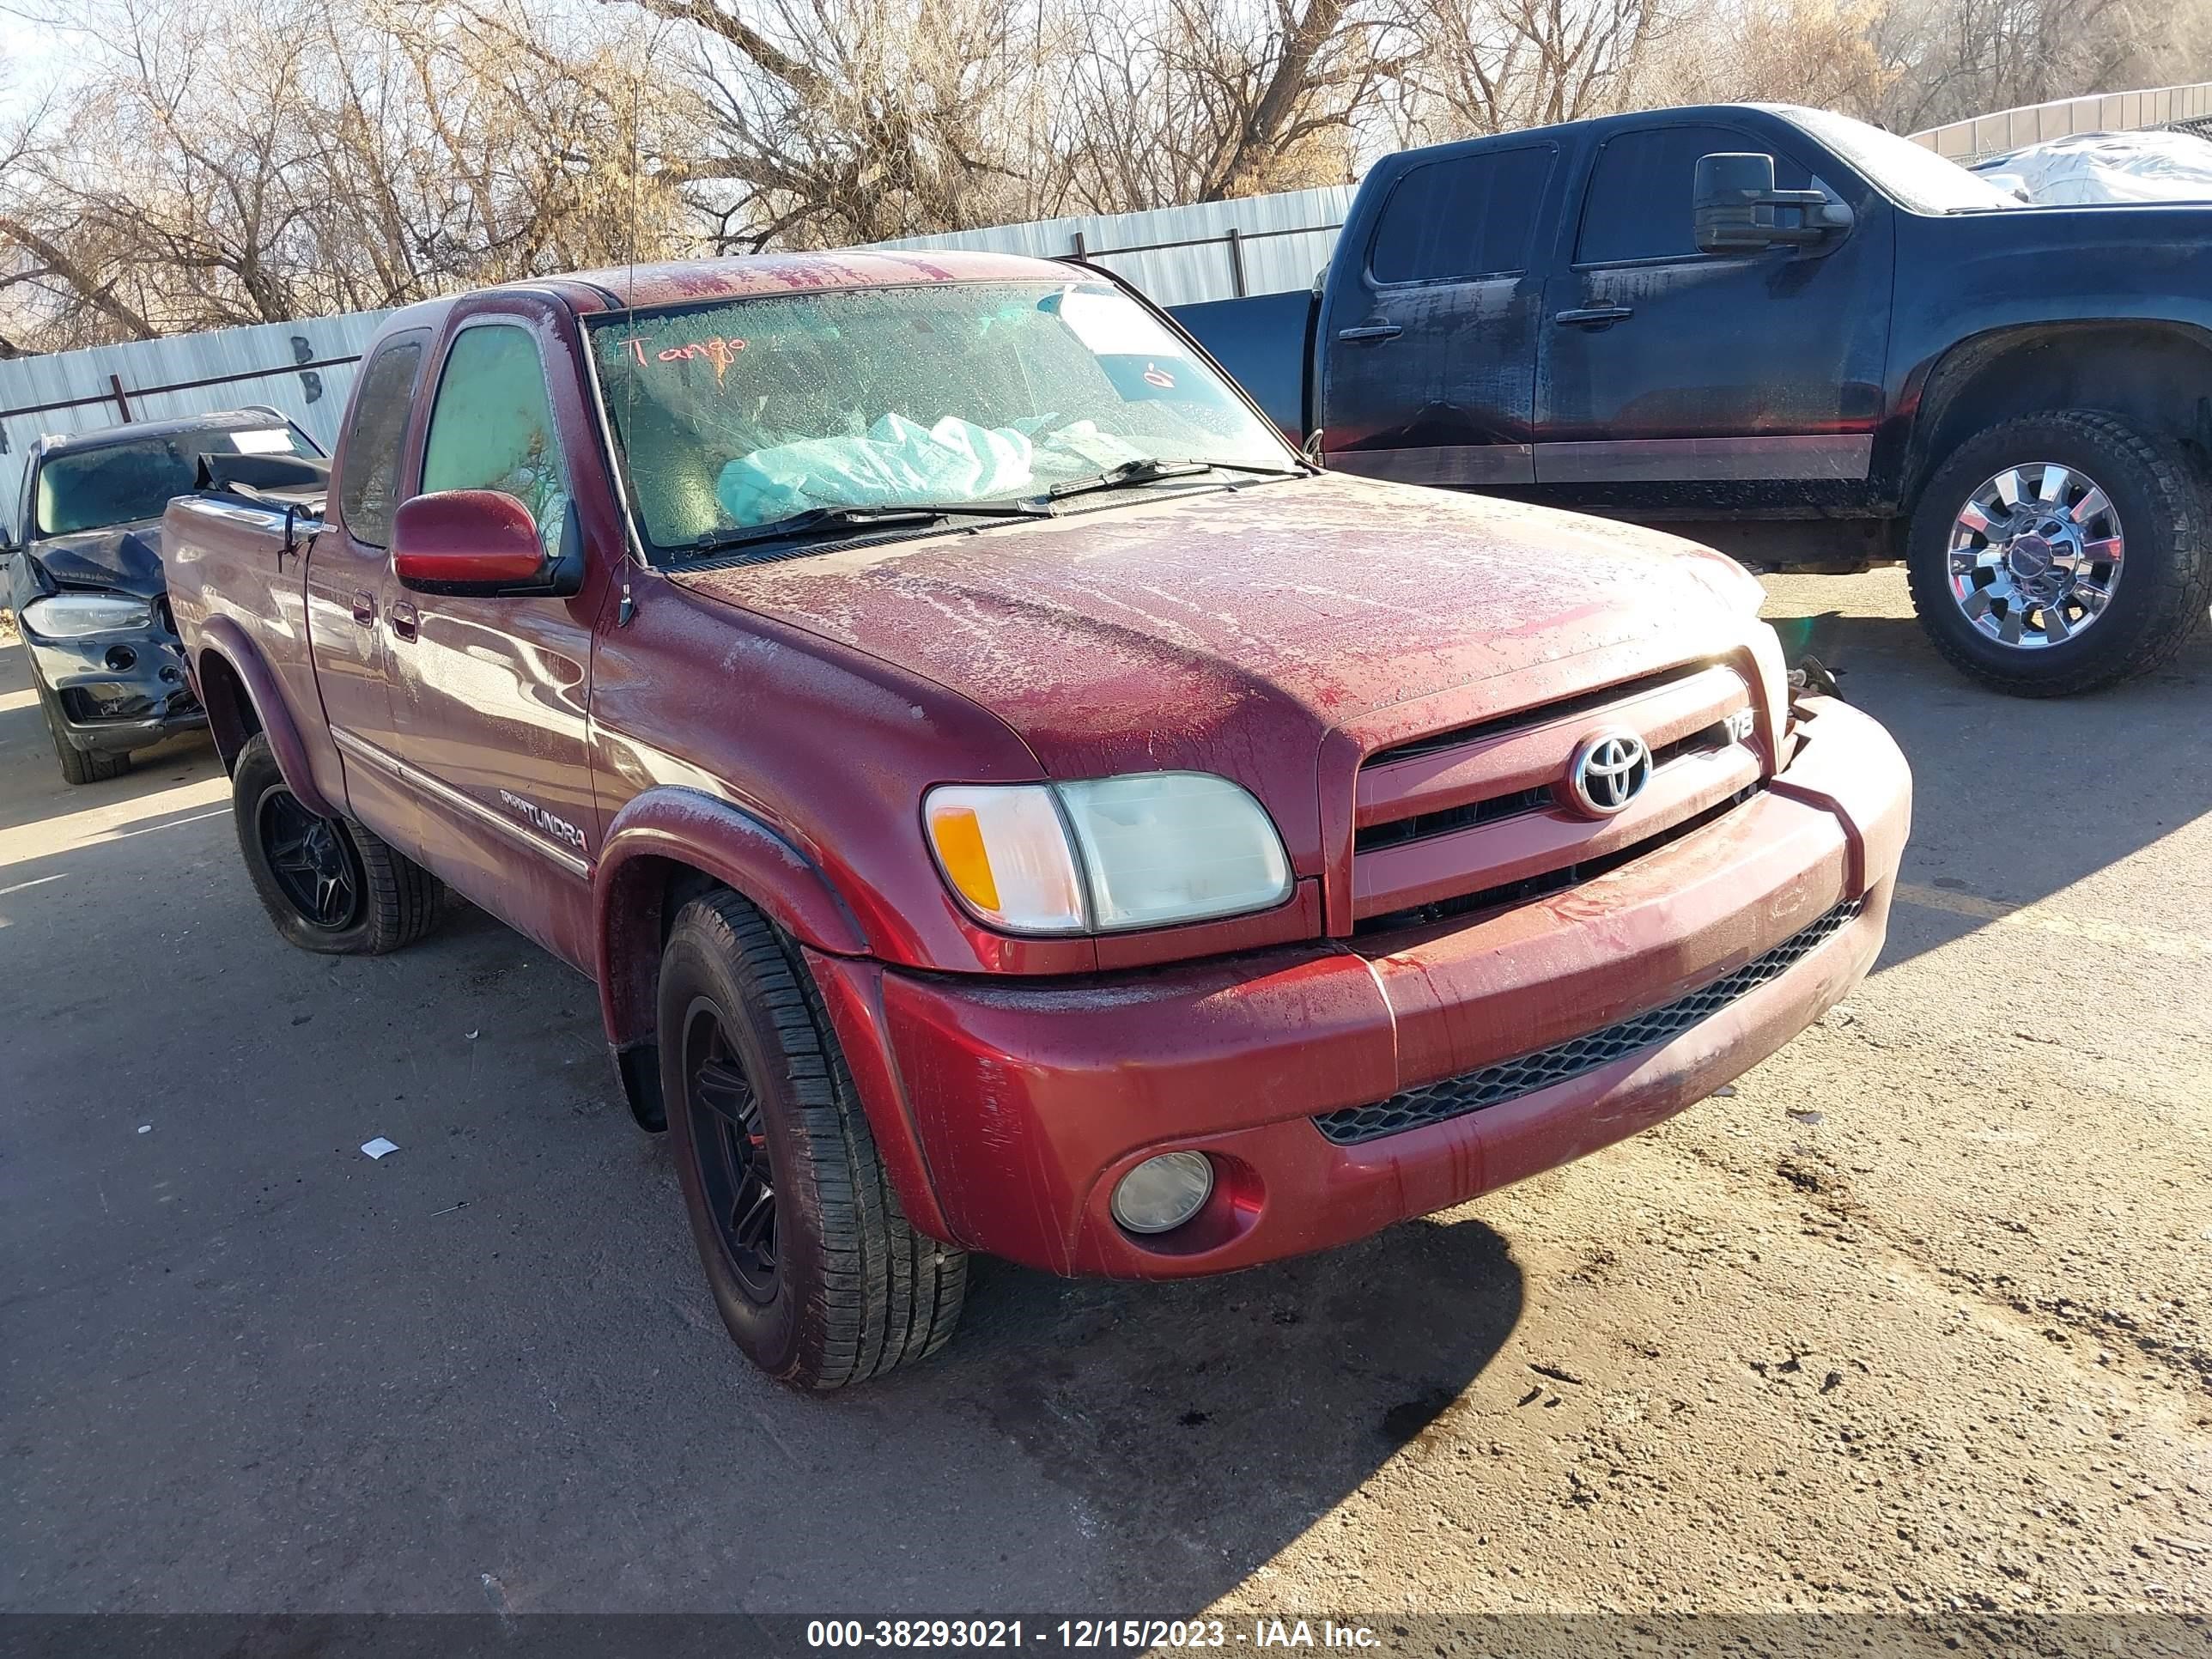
(490, 694)
(1430, 328)
(350, 590)
(1676, 378)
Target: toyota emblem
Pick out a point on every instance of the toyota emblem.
(1609, 769)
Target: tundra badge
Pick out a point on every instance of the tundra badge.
(559, 828)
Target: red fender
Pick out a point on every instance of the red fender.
(691, 827)
(222, 637)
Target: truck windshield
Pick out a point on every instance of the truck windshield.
(1908, 174)
(753, 411)
(131, 480)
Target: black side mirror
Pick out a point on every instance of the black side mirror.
(1735, 207)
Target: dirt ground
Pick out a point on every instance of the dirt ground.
(1912, 1323)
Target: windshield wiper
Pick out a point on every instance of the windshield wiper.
(816, 519)
(1149, 469)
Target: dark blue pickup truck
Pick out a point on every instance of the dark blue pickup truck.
(1794, 336)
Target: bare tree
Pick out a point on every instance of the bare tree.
(211, 168)
(1494, 65)
(1198, 101)
(840, 121)
(1823, 52)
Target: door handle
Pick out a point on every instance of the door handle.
(364, 609)
(403, 621)
(1371, 331)
(1595, 316)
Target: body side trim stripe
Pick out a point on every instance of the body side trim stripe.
(444, 793)
(1443, 464)
(1675, 461)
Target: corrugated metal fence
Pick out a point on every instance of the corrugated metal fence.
(305, 369)
(2031, 123)
(1181, 255)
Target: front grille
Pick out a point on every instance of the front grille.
(1452, 818)
(1459, 737)
(1539, 798)
(1476, 809)
(1433, 1103)
(1548, 881)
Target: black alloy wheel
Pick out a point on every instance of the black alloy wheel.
(330, 885)
(736, 1179)
(813, 1267)
(314, 864)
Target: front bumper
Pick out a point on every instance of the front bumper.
(117, 692)
(1009, 1110)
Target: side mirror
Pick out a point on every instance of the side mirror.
(1735, 207)
(482, 542)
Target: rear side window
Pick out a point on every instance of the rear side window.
(368, 486)
(492, 426)
(1638, 205)
(1474, 216)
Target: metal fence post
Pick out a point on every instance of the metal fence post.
(1236, 239)
(121, 402)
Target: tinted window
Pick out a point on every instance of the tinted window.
(1638, 206)
(492, 427)
(126, 482)
(1471, 216)
(369, 487)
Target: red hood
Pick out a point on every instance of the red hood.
(1228, 632)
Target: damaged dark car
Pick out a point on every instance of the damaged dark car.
(84, 577)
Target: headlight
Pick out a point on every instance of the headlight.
(1142, 851)
(74, 616)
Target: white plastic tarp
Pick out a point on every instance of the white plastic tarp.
(2107, 166)
(898, 460)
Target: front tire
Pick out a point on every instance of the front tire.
(78, 765)
(329, 885)
(817, 1272)
(2060, 552)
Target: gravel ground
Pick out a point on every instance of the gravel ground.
(1912, 1323)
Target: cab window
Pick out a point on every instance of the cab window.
(492, 426)
(1474, 216)
(369, 484)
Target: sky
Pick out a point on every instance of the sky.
(28, 56)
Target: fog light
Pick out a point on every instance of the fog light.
(1162, 1193)
(121, 659)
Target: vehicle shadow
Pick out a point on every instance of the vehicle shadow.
(1205, 1424)
(2014, 800)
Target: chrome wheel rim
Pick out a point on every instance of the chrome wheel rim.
(2036, 555)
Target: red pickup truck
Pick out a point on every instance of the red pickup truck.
(1007, 800)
